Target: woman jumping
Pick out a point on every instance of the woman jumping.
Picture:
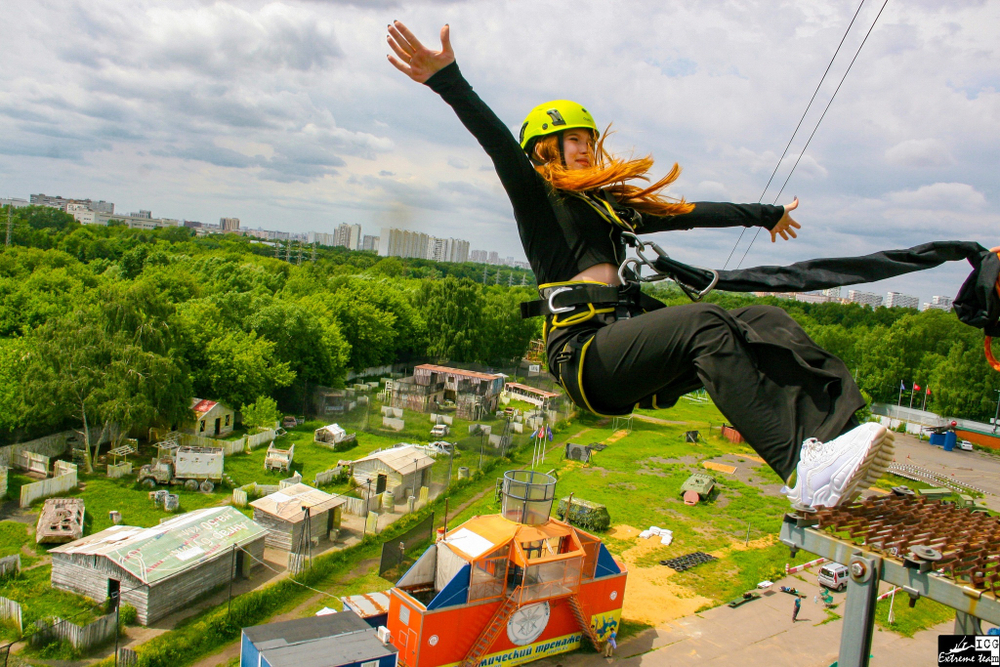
(612, 347)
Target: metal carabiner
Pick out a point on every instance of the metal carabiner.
(552, 308)
(698, 295)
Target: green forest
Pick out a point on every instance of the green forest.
(106, 325)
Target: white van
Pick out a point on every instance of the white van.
(833, 575)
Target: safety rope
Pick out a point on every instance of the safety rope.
(813, 134)
(792, 138)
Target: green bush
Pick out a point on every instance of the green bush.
(128, 615)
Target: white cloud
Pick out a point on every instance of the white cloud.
(287, 115)
(920, 153)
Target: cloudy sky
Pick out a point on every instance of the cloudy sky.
(288, 116)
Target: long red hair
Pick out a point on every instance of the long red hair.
(610, 173)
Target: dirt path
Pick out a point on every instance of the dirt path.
(657, 420)
(232, 650)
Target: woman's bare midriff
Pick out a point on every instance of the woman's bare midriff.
(603, 273)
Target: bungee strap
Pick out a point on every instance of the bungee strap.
(989, 339)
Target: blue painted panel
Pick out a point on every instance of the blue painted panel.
(249, 655)
(455, 591)
(388, 661)
(605, 564)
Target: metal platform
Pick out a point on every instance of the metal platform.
(928, 548)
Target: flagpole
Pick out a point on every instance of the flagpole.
(911, 396)
(899, 400)
(925, 399)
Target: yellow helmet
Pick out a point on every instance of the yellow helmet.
(552, 117)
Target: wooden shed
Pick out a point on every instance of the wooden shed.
(402, 470)
(161, 569)
(283, 515)
(474, 394)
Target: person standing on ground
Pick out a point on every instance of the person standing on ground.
(795, 611)
(611, 644)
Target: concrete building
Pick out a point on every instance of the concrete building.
(229, 224)
(283, 515)
(402, 243)
(13, 201)
(369, 242)
(832, 292)
(331, 640)
(864, 298)
(897, 300)
(211, 419)
(60, 202)
(939, 303)
(160, 570)
(147, 215)
(347, 236)
(479, 256)
(402, 470)
(322, 238)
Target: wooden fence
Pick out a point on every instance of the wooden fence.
(119, 471)
(51, 445)
(228, 447)
(81, 638)
(64, 479)
(11, 611)
(10, 565)
(32, 462)
(356, 506)
(127, 657)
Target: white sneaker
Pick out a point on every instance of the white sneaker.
(835, 472)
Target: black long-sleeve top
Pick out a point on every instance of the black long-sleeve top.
(563, 235)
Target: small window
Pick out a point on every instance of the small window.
(404, 614)
(201, 429)
(227, 420)
(370, 663)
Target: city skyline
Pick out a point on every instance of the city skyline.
(285, 114)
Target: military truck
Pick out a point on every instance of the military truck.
(194, 467)
(698, 486)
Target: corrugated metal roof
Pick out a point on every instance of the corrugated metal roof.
(531, 390)
(367, 604)
(154, 554)
(401, 459)
(287, 503)
(202, 405)
(458, 371)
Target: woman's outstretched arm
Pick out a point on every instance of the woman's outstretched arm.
(776, 219)
(439, 71)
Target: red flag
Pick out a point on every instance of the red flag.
(916, 387)
(928, 391)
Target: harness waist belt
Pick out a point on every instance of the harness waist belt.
(565, 298)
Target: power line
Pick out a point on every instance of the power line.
(792, 138)
(808, 141)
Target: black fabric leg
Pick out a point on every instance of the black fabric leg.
(764, 373)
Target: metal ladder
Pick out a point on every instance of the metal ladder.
(489, 635)
(577, 607)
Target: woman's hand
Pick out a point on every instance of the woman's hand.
(786, 226)
(413, 58)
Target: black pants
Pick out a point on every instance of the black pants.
(769, 379)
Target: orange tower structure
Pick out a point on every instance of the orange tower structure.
(507, 588)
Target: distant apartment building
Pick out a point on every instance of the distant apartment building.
(417, 245)
(522, 265)
(832, 293)
(493, 258)
(897, 300)
(864, 298)
(939, 303)
(229, 224)
(148, 215)
(14, 202)
(322, 238)
(347, 236)
(480, 256)
(61, 203)
(369, 242)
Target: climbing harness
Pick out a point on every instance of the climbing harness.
(665, 268)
